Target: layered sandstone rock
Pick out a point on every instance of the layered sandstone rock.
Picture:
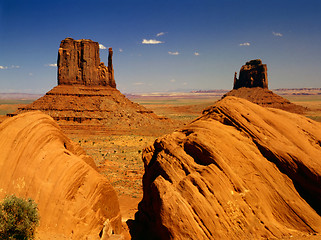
(38, 161)
(252, 74)
(252, 85)
(86, 98)
(79, 63)
(266, 98)
(97, 109)
(239, 171)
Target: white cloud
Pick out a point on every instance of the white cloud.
(138, 83)
(196, 54)
(245, 44)
(173, 53)
(277, 34)
(160, 34)
(121, 50)
(102, 46)
(151, 41)
(11, 67)
(30, 74)
(173, 80)
(52, 65)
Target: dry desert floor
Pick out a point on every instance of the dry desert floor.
(118, 156)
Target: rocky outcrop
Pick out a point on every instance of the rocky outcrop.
(252, 74)
(97, 109)
(239, 171)
(38, 161)
(86, 98)
(79, 63)
(266, 98)
(252, 85)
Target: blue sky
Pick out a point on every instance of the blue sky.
(199, 44)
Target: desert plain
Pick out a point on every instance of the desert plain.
(118, 155)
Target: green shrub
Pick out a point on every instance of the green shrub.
(18, 218)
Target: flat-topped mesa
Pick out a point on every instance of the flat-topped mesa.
(252, 74)
(79, 64)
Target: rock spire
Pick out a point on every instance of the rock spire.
(79, 64)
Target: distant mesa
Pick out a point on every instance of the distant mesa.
(79, 63)
(252, 74)
(86, 97)
(252, 85)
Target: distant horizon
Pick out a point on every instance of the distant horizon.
(167, 92)
(164, 46)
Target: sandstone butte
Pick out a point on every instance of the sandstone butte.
(38, 161)
(86, 98)
(252, 85)
(239, 171)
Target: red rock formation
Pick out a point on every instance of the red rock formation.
(79, 63)
(252, 85)
(252, 74)
(86, 97)
(266, 98)
(239, 171)
(98, 109)
(38, 161)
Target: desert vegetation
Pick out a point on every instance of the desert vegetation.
(19, 218)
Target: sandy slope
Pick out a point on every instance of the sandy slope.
(38, 161)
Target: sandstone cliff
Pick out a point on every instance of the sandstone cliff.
(239, 171)
(86, 98)
(252, 85)
(252, 74)
(38, 161)
(79, 63)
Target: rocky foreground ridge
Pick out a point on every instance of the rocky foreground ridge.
(38, 161)
(240, 171)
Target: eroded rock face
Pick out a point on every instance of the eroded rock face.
(86, 98)
(252, 85)
(79, 63)
(97, 109)
(240, 171)
(252, 74)
(38, 161)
